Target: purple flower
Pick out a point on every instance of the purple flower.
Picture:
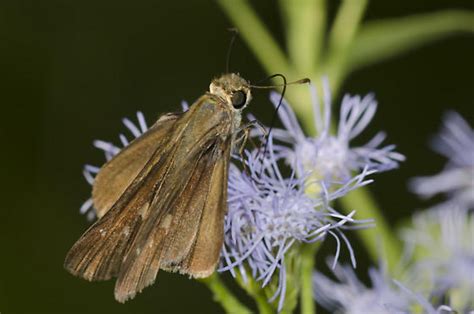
(385, 296)
(331, 157)
(269, 215)
(456, 142)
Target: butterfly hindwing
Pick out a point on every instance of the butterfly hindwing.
(201, 261)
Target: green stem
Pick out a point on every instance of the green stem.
(257, 293)
(379, 239)
(256, 35)
(224, 296)
(305, 31)
(306, 278)
(262, 301)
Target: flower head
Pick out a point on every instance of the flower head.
(441, 244)
(385, 296)
(332, 157)
(456, 142)
(269, 214)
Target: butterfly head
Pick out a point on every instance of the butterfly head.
(233, 89)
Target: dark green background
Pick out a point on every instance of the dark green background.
(70, 70)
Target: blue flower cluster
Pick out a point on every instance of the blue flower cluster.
(438, 266)
(269, 213)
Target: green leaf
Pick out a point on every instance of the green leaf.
(343, 31)
(224, 296)
(383, 39)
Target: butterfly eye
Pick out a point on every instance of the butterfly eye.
(238, 99)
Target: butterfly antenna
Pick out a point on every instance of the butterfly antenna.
(272, 121)
(275, 113)
(235, 32)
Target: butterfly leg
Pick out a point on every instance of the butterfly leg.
(247, 128)
(245, 136)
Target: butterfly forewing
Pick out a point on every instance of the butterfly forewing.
(156, 221)
(115, 176)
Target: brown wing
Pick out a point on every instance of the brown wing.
(98, 254)
(201, 261)
(189, 238)
(117, 174)
(158, 216)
